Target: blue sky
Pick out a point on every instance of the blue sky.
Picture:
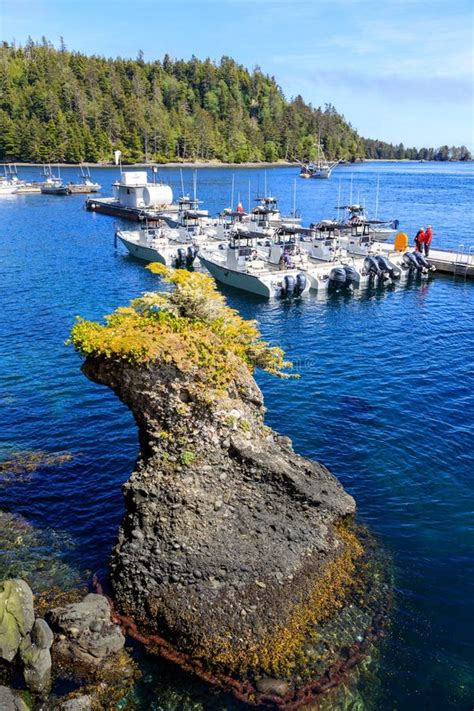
(399, 70)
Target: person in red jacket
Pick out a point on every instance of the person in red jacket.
(428, 239)
(420, 239)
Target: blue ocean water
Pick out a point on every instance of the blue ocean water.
(385, 397)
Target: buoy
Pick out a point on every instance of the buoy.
(401, 242)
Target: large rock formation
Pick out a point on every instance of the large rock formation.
(233, 547)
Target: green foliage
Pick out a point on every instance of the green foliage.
(381, 150)
(187, 458)
(190, 326)
(58, 105)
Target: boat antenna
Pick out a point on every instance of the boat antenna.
(59, 172)
(232, 192)
(195, 184)
(377, 197)
(182, 182)
(294, 197)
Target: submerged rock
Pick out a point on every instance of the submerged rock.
(16, 616)
(233, 547)
(79, 703)
(35, 555)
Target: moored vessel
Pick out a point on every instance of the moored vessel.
(240, 264)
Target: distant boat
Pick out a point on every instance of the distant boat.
(53, 185)
(9, 182)
(320, 168)
(86, 185)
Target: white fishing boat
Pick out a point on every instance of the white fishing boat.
(330, 268)
(239, 264)
(266, 217)
(228, 221)
(359, 224)
(9, 182)
(158, 243)
(7, 187)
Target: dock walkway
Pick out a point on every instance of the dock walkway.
(458, 262)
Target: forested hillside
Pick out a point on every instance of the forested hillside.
(62, 106)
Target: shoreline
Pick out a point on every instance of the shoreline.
(218, 164)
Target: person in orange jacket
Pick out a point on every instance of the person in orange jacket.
(419, 240)
(428, 239)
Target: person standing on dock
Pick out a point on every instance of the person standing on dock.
(428, 240)
(420, 239)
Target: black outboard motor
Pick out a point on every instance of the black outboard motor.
(422, 261)
(387, 267)
(371, 267)
(181, 257)
(300, 284)
(411, 261)
(288, 285)
(191, 256)
(352, 277)
(337, 277)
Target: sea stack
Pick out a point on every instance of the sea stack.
(235, 550)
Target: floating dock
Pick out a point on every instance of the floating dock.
(111, 206)
(458, 262)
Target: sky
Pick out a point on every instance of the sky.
(398, 70)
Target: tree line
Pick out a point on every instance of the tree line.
(63, 106)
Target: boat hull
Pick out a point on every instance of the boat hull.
(55, 191)
(236, 279)
(146, 254)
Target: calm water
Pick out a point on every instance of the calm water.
(385, 398)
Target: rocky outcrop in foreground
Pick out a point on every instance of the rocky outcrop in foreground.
(80, 644)
(233, 548)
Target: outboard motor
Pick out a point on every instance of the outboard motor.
(288, 286)
(411, 261)
(191, 256)
(300, 284)
(422, 261)
(181, 257)
(337, 277)
(387, 267)
(352, 276)
(371, 267)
